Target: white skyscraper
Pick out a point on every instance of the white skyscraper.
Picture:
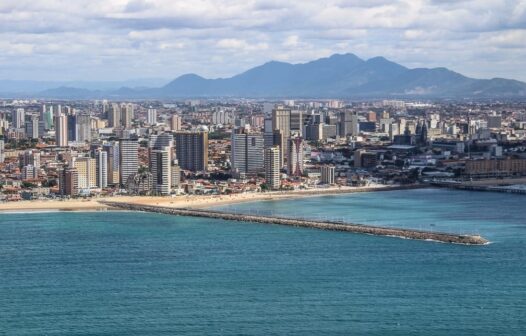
(129, 158)
(102, 168)
(18, 117)
(2, 151)
(83, 128)
(175, 123)
(61, 130)
(152, 116)
(272, 167)
(127, 115)
(114, 115)
(327, 174)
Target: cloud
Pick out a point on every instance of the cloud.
(240, 45)
(108, 39)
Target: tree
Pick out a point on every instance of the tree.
(28, 185)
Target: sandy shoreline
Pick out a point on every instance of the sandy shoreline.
(193, 201)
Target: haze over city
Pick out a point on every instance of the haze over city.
(122, 40)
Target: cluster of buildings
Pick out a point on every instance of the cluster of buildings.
(85, 148)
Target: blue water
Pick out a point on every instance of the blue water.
(124, 273)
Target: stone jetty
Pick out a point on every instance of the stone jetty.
(316, 224)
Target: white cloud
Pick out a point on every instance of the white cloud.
(240, 45)
(105, 39)
(291, 41)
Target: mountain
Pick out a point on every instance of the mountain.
(337, 76)
(345, 76)
(31, 86)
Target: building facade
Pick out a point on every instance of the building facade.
(272, 168)
(192, 150)
(160, 167)
(295, 156)
(129, 159)
(247, 153)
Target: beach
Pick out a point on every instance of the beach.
(183, 201)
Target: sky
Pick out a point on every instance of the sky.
(126, 39)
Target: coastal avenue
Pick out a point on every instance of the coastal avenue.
(323, 225)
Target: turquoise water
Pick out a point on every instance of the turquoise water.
(124, 273)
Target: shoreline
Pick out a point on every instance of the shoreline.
(188, 201)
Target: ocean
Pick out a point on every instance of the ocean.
(127, 273)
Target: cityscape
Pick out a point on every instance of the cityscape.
(222, 167)
(83, 149)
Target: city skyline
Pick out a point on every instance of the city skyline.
(123, 40)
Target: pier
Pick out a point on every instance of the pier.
(474, 186)
(315, 224)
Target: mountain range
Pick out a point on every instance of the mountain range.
(337, 76)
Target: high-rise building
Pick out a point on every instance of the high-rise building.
(87, 172)
(175, 123)
(247, 153)
(349, 123)
(159, 141)
(18, 118)
(61, 130)
(494, 121)
(4, 124)
(295, 156)
(152, 116)
(29, 172)
(267, 109)
(47, 118)
(114, 116)
(29, 157)
(296, 121)
(43, 112)
(33, 128)
(272, 167)
(160, 167)
(2, 151)
(161, 149)
(192, 150)
(371, 116)
(223, 117)
(279, 139)
(127, 115)
(101, 158)
(129, 159)
(68, 182)
(72, 127)
(327, 174)
(112, 150)
(176, 176)
(268, 132)
(281, 122)
(83, 128)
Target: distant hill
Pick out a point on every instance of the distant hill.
(338, 76)
(32, 86)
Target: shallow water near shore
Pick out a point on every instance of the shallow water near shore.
(138, 273)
